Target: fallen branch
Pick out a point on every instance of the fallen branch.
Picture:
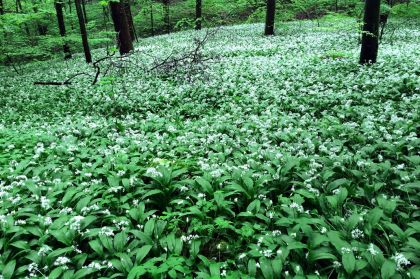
(185, 62)
(51, 83)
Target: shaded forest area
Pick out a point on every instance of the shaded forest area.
(39, 29)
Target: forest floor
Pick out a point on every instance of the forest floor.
(281, 156)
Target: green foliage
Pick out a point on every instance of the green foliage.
(285, 159)
(22, 31)
(411, 10)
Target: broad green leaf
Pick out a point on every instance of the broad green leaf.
(8, 269)
(388, 269)
(349, 262)
(142, 253)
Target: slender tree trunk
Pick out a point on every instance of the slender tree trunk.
(370, 34)
(19, 8)
(1, 7)
(198, 14)
(269, 19)
(83, 32)
(121, 27)
(42, 28)
(152, 21)
(84, 10)
(129, 15)
(166, 18)
(62, 28)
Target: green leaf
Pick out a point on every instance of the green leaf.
(136, 272)
(337, 183)
(277, 266)
(195, 247)
(119, 241)
(97, 247)
(149, 227)
(113, 181)
(349, 262)
(142, 253)
(82, 273)
(9, 269)
(266, 268)
(215, 270)
(374, 216)
(206, 186)
(55, 273)
(23, 245)
(388, 269)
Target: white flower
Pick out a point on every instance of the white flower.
(356, 234)
(371, 249)
(216, 173)
(74, 222)
(183, 188)
(45, 203)
(323, 230)
(43, 250)
(171, 129)
(336, 264)
(345, 250)
(190, 238)
(297, 206)
(401, 261)
(267, 253)
(276, 233)
(62, 261)
(47, 221)
(153, 172)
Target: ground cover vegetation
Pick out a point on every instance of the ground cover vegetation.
(216, 153)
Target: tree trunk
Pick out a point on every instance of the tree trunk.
(269, 19)
(42, 28)
(83, 32)
(62, 28)
(121, 26)
(1, 8)
(198, 14)
(166, 18)
(370, 43)
(129, 15)
(84, 11)
(19, 7)
(152, 22)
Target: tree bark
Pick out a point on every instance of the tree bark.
(152, 21)
(62, 28)
(121, 27)
(269, 19)
(19, 8)
(166, 19)
(84, 11)
(129, 15)
(1, 7)
(198, 14)
(370, 34)
(83, 32)
(42, 28)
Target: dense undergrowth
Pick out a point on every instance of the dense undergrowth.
(285, 158)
